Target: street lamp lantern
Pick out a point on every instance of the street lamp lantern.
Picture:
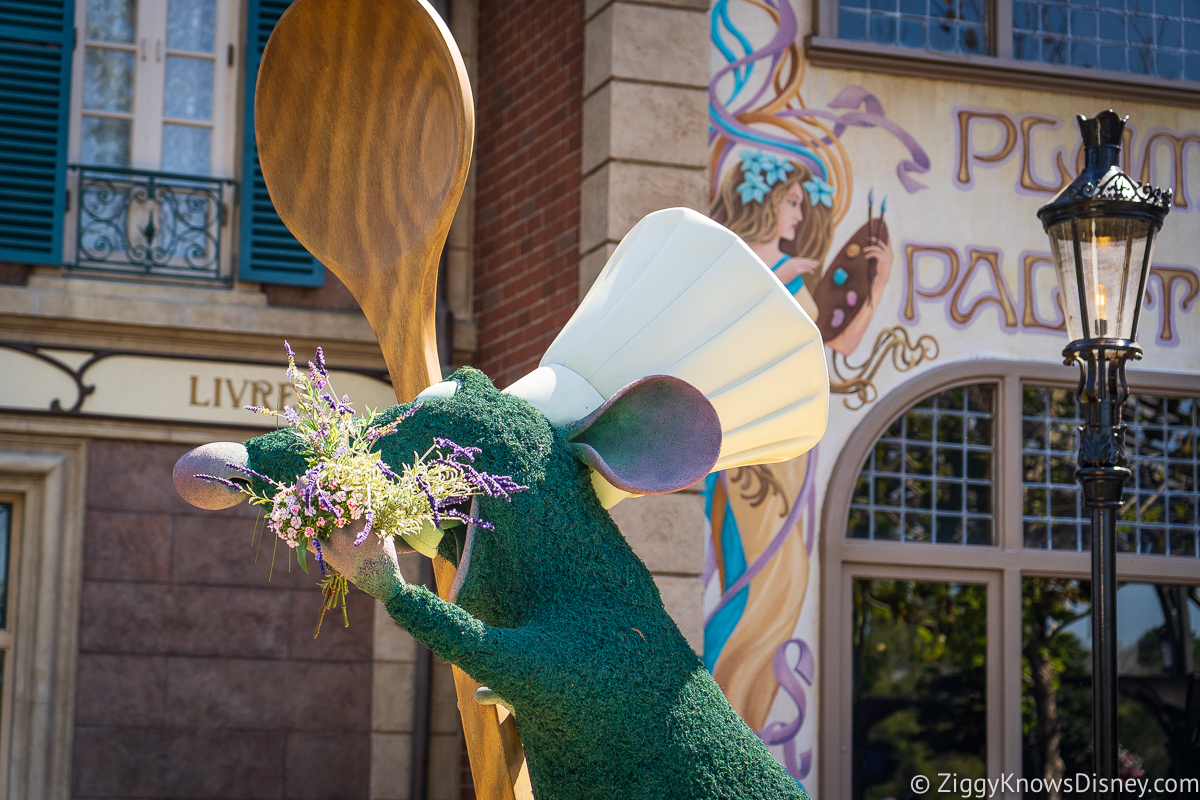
(1102, 228)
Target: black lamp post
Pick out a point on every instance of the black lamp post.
(1102, 229)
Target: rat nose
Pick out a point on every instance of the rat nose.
(211, 459)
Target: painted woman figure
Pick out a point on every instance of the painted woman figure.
(785, 214)
(762, 516)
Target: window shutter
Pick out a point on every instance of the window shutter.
(268, 252)
(36, 40)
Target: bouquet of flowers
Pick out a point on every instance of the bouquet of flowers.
(346, 483)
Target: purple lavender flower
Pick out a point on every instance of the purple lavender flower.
(215, 479)
(321, 363)
(456, 449)
(311, 487)
(464, 517)
(288, 348)
(434, 505)
(385, 470)
(338, 406)
(291, 416)
(375, 434)
(320, 555)
(366, 531)
(247, 471)
(316, 375)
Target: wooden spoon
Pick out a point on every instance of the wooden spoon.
(364, 121)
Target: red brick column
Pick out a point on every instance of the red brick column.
(529, 104)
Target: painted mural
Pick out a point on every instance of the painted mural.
(900, 212)
(783, 180)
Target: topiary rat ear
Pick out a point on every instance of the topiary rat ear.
(656, 435)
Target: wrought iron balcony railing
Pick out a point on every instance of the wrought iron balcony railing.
(149, 223)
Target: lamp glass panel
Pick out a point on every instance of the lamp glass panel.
(1111, 251)
(1062, 247)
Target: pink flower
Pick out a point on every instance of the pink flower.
(309, 532)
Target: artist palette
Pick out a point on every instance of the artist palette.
(845, 288)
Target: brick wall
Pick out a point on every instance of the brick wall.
(528, 136)
(197, 677)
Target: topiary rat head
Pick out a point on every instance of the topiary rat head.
(657, 434)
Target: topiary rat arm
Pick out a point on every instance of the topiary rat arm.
(486, 653)
(492, 656)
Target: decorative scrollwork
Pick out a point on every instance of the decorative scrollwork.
(146, 222)
(756, 482)
(1119, 186)
(858, 380)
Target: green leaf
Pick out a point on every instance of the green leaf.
(302, 558)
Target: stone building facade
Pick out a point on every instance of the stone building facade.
(151, 650)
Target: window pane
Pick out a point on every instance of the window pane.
(1150, 39)
(5, 547)
(920, 681)
(1158, 641)
(189, 89)
(936, 456)
(186, 149)
(1162, 501)
(105, 141)
(192, 25)
(112, 21)
(948, 25)
(108, 80)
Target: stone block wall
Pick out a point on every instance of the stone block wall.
(645, 115)
(198, 678)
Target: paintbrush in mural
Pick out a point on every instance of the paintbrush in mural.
(845, 288)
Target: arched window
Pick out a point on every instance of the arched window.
(956, 590)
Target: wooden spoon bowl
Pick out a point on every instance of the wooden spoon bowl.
(364, 121)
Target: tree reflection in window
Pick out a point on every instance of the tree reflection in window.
(1158, 636)
(919, 684)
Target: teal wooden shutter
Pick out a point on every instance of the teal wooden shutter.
(267, 251)
(36, 40)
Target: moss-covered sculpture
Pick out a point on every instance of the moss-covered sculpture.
(555, 613)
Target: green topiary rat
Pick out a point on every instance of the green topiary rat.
(552, 610)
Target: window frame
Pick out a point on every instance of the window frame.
(16, 524)
(150, 58)
(1006, 562)
(225, 155)
(824, 49)
(48, 479)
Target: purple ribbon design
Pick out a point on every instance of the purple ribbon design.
(864, 110)
(871, 115)
(806, 499)
(784, 733)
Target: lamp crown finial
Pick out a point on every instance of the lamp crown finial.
(1102, 137)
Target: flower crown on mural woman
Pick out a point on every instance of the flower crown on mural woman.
(785, 213)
